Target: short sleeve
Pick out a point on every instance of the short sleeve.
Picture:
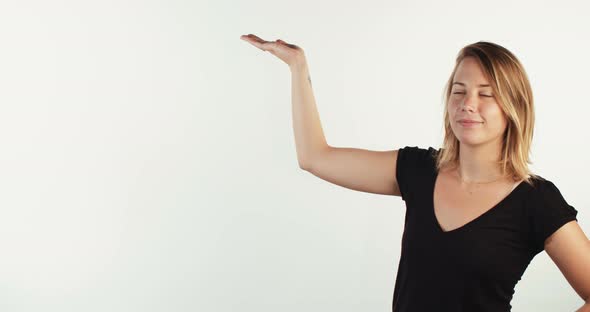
(549, 212)
(412, 163)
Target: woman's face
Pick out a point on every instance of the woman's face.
(469, 100)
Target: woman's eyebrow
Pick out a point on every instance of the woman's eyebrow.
(481, 85)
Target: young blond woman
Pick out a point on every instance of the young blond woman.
(475, 214)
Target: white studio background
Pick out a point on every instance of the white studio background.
(147, 157)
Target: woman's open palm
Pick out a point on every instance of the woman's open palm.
(291, 54)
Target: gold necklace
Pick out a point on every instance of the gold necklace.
(476, 183)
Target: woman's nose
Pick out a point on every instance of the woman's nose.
(466, 107)
(468, 102)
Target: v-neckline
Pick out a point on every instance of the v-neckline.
(476, 219)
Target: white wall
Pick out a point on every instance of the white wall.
(147, 157)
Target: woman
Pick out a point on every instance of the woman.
(475, 215)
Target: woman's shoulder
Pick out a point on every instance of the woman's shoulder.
(417, 160)
(543, 188)
(540, 182)
(426, 152)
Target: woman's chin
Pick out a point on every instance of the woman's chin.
(469, 140)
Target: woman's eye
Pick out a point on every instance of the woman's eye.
(480, 94)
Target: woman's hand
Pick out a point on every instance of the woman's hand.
(291, 54)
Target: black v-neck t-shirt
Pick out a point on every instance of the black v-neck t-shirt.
(473, 268)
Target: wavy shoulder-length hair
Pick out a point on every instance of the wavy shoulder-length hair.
(512, 91)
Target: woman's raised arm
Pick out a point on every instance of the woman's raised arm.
(357, 169)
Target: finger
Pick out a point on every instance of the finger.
(259, 43)
(268, 45)
(287, 44)
(252, 38)
(260, 40)
(256, 38)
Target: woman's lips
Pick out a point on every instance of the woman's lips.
(469, 124)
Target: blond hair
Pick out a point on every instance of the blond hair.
(513, 93)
